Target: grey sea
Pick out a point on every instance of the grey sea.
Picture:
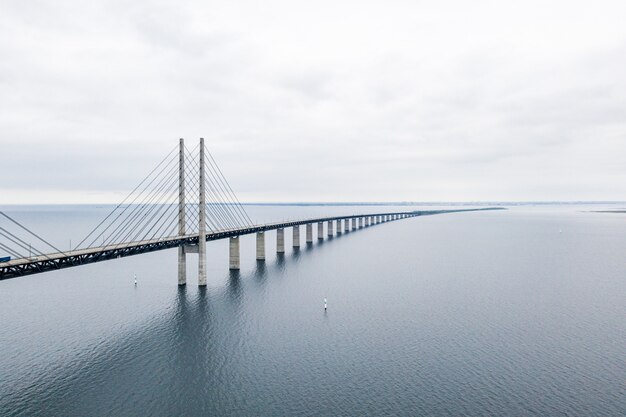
(519, 312)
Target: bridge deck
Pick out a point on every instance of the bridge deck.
(54, 261)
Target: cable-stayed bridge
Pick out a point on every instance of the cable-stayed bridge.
(182, 203)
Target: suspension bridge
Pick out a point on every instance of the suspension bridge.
(182, 203)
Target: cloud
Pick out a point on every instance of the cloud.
(327, 101)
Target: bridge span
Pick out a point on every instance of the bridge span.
(189, 243)
(182, 203)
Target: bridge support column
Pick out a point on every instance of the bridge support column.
(346, 225)
(233, 263)
(353, 223)
(358, 223)
(320, 230)
(182, 257)
(338, 224)
(330, 228)
(280, 240)
(296, 236)
(309, 233)
(202, 222)
(369, 221)
(260, 246)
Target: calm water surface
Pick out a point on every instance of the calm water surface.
(509, 313)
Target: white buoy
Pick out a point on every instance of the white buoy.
(135, 280)
(325, 304)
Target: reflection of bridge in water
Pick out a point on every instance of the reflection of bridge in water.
(182, 203)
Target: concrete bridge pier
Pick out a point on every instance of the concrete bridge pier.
(346, 225)
(233, 262)
(260, 246)
(182, 266)
(353, 221)
(338, 226)
(280, 240)
(320, 230)
(296, 236)
(358, 223)
(330, 228)
(309, 233)
(369, 221)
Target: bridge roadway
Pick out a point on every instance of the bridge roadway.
(54, 261)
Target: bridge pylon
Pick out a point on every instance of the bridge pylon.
(201, 221)
(184, 248)
(182, 258)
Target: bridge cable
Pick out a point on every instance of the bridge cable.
(33, 234)
(228, 221)
(12, 252)
(126, 208)
(217, 187)
(127, 197)
(221, 188)
(23, 245)
(230, 188)
(213, 201)
(154, 205)
(210, 218)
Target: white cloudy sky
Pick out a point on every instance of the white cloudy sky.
(318, 100)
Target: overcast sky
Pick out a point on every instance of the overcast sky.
(317, 100)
